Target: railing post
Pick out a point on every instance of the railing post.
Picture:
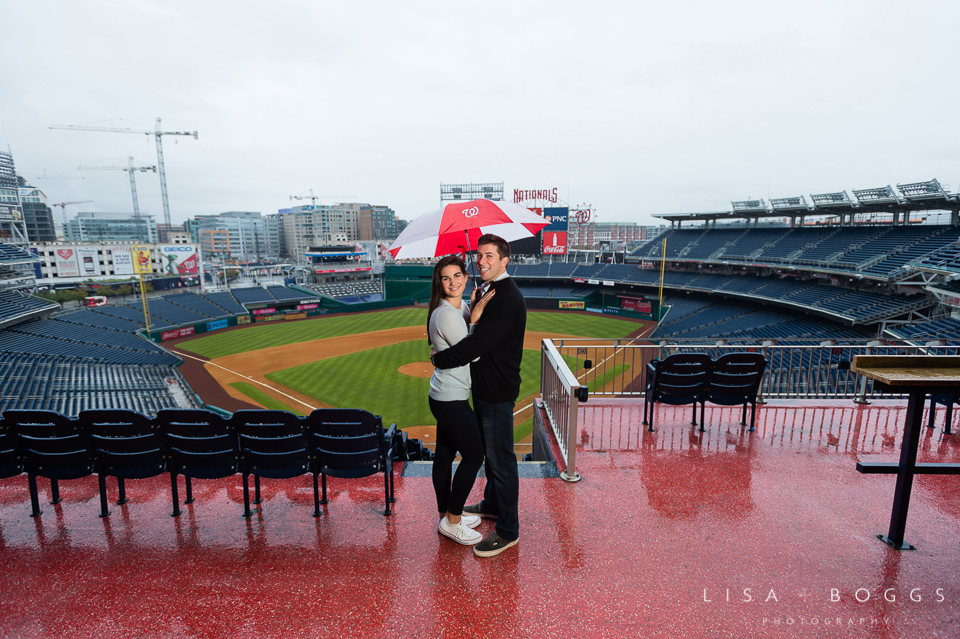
(570, 474)
(765, 351)
(862, 395)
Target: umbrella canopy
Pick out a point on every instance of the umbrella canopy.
(456, 228)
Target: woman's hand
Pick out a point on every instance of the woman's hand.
(476, 310)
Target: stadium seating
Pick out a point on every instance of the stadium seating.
(253, 295)
(197, 304)
(15, 305)
(226, 301)
(283, 293)
(11, 253)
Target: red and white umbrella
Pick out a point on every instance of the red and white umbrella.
(456, 228)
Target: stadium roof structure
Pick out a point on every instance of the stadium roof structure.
(906, 198)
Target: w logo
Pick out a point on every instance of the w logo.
(471, 212)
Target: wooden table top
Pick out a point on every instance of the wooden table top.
(936, 372)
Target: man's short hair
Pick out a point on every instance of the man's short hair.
(503, 248)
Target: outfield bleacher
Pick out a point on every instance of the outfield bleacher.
(283, 293)
(197, 304)
(15, 305)
(11, 253)
(167, 313)
(253, 295)
(226, 301)
(102, 320)
(71, 332)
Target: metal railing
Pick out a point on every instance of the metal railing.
(571, 368)
(560, 393)
(796, 370)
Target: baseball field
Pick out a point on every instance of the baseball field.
(378, 361)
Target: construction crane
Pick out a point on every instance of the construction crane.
(313, 198)
(159, 136)
(63, 209)
(131, 169)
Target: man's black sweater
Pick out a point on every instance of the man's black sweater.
(497, 340)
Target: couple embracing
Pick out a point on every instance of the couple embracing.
(476, 347)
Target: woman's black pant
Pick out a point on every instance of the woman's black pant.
(457, 430)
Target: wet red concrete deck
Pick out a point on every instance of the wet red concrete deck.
(648, 544)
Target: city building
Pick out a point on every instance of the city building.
(595, 233)
(164, 231)
(377, 223)
(242, 236)
(65, 262)
(12, 227)
(316, 225)
(98, 226)
(37, 215)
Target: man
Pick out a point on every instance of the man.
(497, 340)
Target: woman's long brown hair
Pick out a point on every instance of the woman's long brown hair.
(436, 286)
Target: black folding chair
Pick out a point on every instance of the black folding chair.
(947, 400)
(735, 379)
(201, 444)
(54, 446)
(11, 459)
(126, 445)
(350, 443)
(676, 380)
(273, 444)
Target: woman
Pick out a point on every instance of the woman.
(457, 428)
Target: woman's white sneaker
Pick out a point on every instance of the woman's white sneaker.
(470, 521)
(458, 532)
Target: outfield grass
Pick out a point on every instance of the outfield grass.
(280, 333)
(370, 380)
(597, 326)
(262, 398)
(594, 381)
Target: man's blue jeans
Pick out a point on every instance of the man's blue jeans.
(502, 494)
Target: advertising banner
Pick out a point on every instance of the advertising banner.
(179, 259)
(141, 259)
(306, 307)
(216, 325)
(89, 261)
(264, 311)
(557, 216)
(179, 332)
(554, 243)
(67, 265)
(637, 305)
(243, 319)
(573, 306)
(343, 270)
(122, 260)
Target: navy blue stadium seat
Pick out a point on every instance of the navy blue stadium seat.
(734, 380)
(201, 444)
(11, 459)
(273, 444)
(677, 380)
(350, 443)
(54, 447)
(125, 444)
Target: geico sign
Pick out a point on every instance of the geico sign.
(177, 249)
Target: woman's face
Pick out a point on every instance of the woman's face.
(452, 279)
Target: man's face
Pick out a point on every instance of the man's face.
(489, 262)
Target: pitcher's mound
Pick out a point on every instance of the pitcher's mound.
(417, 369)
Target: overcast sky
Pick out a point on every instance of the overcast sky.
(637, 108)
